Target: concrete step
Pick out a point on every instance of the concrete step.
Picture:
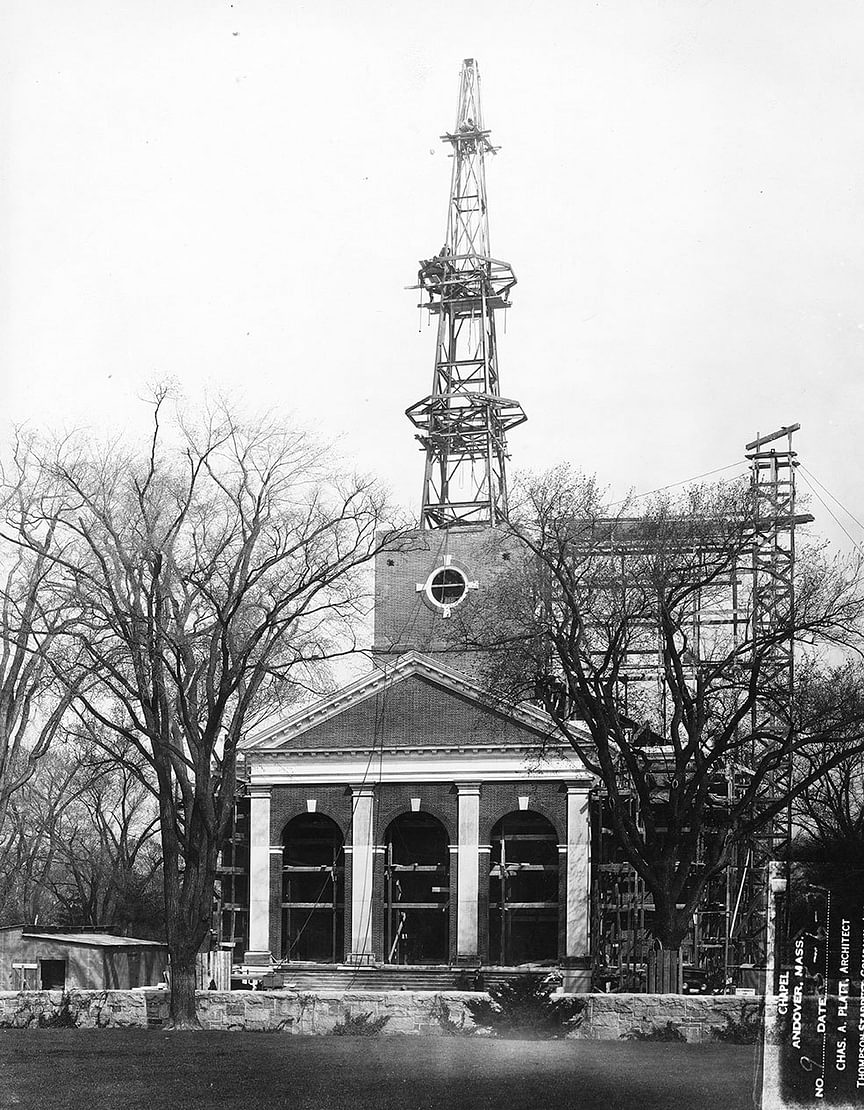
(390, 978)
(370, 979)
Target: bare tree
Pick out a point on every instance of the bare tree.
(828, 822)
(30, 835)
(211, 571)
(33, 621)
(105, 850)
(80, 843)
(637, 634)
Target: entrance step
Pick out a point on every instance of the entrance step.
(386, 977)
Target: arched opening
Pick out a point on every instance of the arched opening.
(523, 890)
(417, 890)
(313, 890)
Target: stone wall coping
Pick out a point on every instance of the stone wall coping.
(410, 1012)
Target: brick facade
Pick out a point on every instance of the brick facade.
(289, 802)
(410, 736)
(404, 618)
(438, 799)
(415, 712)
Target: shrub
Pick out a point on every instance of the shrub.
(745, 1029)
(667, 1032)
(360, 1025)
(439, 1011)
(62, 1017)
(523, 1008)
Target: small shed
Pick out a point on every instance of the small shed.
(37, 958)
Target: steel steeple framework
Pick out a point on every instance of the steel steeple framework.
(464, 421)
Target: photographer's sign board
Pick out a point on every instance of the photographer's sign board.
(814, 1038)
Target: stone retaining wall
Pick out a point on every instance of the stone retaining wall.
(607, 1016)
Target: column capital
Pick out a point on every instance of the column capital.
(468, 788)
(577, 787)
(260, 790)
(362, 790)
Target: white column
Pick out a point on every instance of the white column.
(259, 875)
(362, 872)
(468, 874)
(578, 885)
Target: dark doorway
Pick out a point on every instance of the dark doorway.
(52, 974)
(523, 891)
(313, 890)
(417, 889)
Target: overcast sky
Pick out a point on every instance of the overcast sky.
(236, 195)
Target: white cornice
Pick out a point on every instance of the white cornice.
(269, 768)
(407, 750)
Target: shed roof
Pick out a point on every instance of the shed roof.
(95, 940)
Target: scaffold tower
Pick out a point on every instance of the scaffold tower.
(772, 482)
(772, 490)
(463, 423)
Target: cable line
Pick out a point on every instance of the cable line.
(839, 523)
(683, 482)
(833, 498)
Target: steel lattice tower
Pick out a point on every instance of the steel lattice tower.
(464, 421)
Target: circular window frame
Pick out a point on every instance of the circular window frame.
(445, 608)
(430, 583)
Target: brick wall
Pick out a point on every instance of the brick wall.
(391, 801)
(417, 712)
(287, 803)
(404, 620)
(497, 800)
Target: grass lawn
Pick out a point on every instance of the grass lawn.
(113, 1069)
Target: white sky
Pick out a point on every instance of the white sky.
(236, 194)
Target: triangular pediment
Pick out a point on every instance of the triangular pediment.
(417, 703)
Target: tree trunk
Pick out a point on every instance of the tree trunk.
(188, 906)
(665, 959)
(182, 1012)
(665, 971)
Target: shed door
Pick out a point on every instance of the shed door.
(52, 974)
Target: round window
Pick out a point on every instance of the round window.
(447, 586)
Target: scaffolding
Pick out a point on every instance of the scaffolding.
(231, 901)
(726, 943)
(772, 486)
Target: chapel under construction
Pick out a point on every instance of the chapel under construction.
(409, 828)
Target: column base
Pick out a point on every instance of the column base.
(576, 975)
(467, 960)
(360, 959)
(257, 959)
